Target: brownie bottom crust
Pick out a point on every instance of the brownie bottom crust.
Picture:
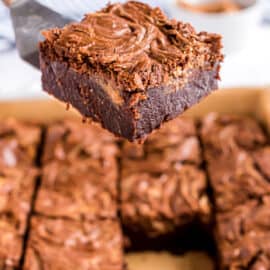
(131, 121)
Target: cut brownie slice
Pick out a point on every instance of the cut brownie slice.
(236, 153)
(176, 142)
(16, 191)
(80, 173)
(70, 140)
(65, 244)
(162, 187)
(129, 67)
(81, 190)
(159, 204)
(18, 143)
(243, 236)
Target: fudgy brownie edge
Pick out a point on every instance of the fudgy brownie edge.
(69, 86)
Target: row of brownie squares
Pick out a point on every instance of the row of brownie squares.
(68, 214)
(161, 188)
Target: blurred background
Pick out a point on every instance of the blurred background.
(246, 34)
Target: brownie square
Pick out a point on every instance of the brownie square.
(129, 67)
(162, 187)
(176, 142)
(159, 204)
(236, 152)
(71, 140)
(16, 192)
(18, 143)
(79, 174)
(81, 190)
(66, 244)
(237, 155)
(243, 236)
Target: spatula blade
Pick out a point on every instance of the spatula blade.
(29, 18)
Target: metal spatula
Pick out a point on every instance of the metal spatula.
(29, 18)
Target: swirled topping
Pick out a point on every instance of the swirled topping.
(134, 45)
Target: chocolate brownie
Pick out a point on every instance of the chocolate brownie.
(70, 140)
(176, 142)
(16, 191)
(236, 154)
(81, 190)
(18, 143)
(159, 204)
(162, 187)
(243, 236)
(65, 244)
(129, 67)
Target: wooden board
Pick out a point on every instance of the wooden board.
(251, 101)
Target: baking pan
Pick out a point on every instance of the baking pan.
(247, 101)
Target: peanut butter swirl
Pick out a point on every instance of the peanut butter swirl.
(135, 45)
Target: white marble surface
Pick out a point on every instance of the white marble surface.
(249, 67)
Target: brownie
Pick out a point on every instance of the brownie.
(176, 142)
(81, 190)
(18, 143)
(235, 149)
(162, 186)
(66, 244)
(129, 67)
(243, 236)
(70, 140)
(159, 204)
(16, 191)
